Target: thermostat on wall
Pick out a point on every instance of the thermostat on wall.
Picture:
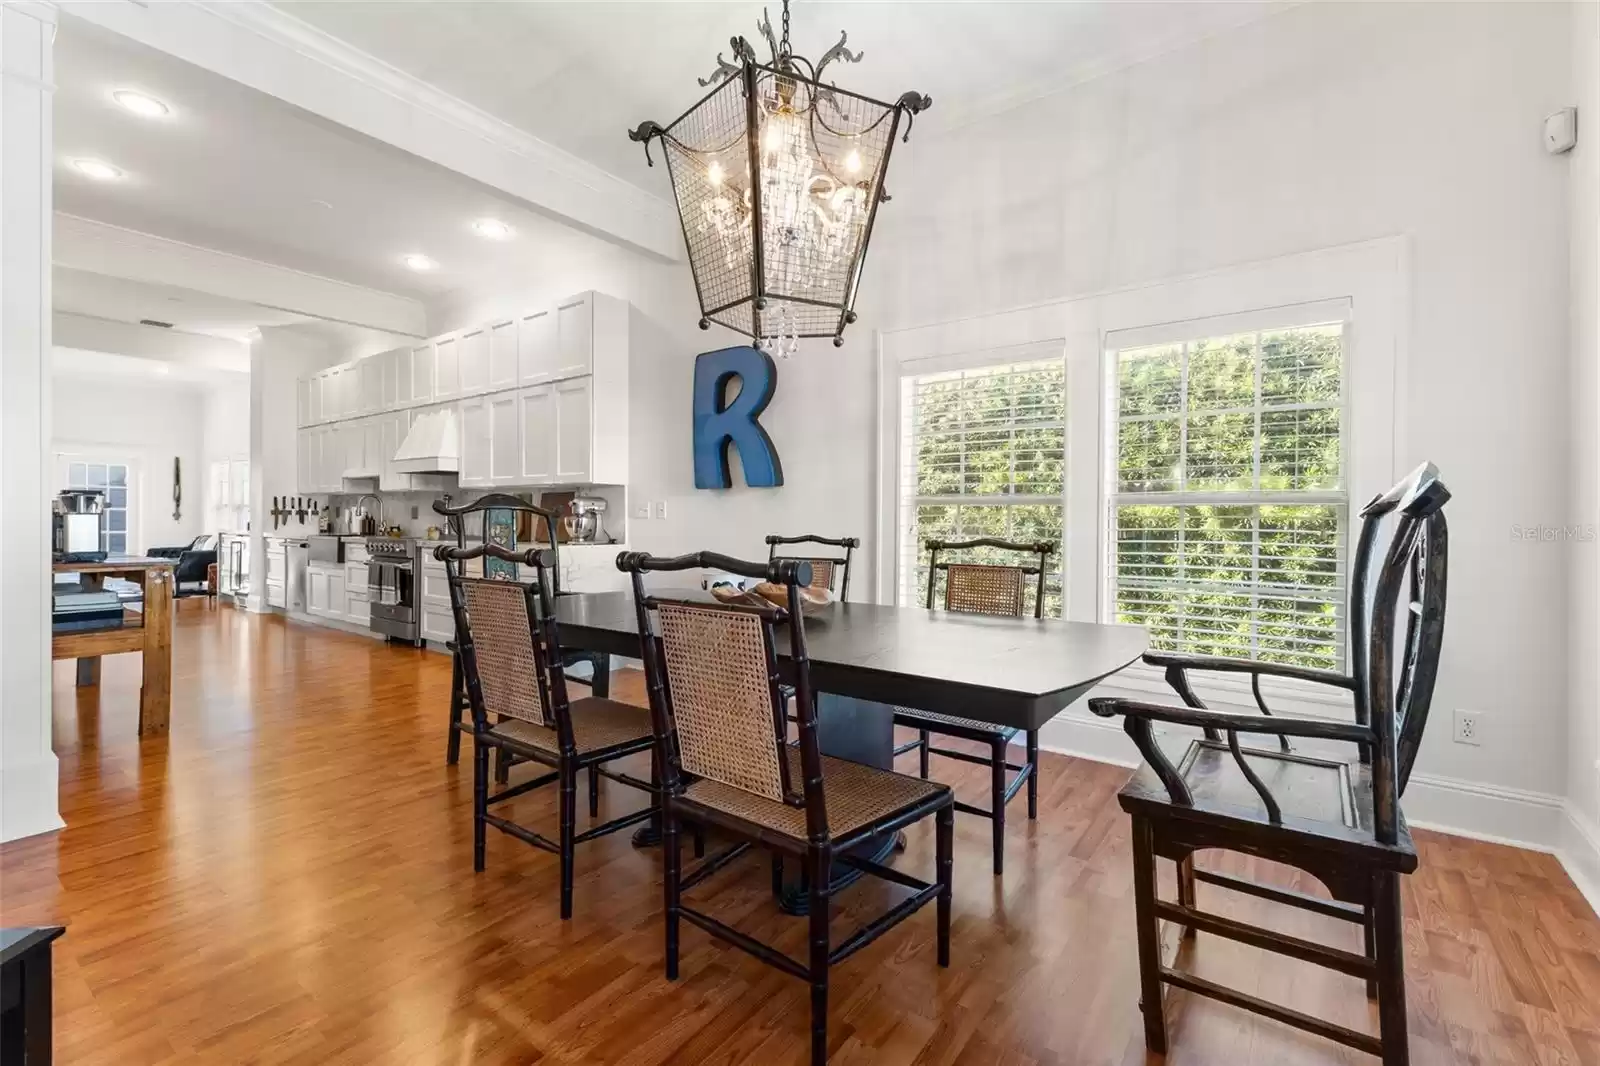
(1561, 131)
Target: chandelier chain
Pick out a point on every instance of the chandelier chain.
(783, 44)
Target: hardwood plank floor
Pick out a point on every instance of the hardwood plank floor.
(287, 878)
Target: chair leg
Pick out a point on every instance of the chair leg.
(1372, 951)
(1186, 895)
(922, 753)
(818, 865)
(569, 824)
(699, 832)
(480, 802)
(997, 789)
(453, 744)
(594, 792)
(944, 833)
(502, 761)
(1033, 775)
(672, 870)
(1149, 932)
(1389, 935)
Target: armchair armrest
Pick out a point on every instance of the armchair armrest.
(1137, 716)
(1177, 660)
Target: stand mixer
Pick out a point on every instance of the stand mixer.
(585, 520)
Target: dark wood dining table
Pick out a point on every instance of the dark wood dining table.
(867, 659)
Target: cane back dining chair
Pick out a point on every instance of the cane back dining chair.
(713, 675)
(511, 661)
(1337, 820)
(824, 568)
(984, 588)
(456, 516)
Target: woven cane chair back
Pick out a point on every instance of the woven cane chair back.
(984, 588)
(821, 574)
(722, 689)
(506, 653)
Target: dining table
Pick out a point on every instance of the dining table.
(867, 659)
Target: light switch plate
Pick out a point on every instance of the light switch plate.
(642, 511)
(661, 508)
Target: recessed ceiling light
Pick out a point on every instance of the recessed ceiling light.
(492, 228)
(94, 168)
(419, 262)
(139, 103)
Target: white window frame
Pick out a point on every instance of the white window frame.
(1370, 276)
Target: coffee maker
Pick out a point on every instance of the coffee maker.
(75, 518)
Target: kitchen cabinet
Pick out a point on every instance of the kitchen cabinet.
(314, 399)
(505, 439)
(277, 573)
(503, 355)
(333, 394)
(326, 595)
(388, 380)
(369, 378)
(476, 442)
(392, 430)
(422, 373)
(404, 388)
(447, 368)
(536, 347)
(474, 361)
(574, 429)
(574, 336)
(536, 415)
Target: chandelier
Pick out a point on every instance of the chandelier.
(778, 177)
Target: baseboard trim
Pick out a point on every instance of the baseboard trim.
(1580, 854)
(30, 798)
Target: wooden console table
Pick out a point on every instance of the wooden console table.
(148, 631)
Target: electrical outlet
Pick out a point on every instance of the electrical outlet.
(661, 508)
(1467, 728)
(642, 511)
(413, 513)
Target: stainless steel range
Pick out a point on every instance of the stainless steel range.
(393, 568)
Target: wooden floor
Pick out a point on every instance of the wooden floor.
(287, 877)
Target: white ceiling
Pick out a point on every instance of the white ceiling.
(580, 75)
(121, 300)
(238, 171)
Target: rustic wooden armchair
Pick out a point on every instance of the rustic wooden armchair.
(824, 568)
(516, 687)
(984, 588)
(1338, 820)
(713, 676)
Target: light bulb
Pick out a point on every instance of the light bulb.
(714, 173)
(772, 139)
(140, 104)
(852, 162)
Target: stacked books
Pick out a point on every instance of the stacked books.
(76, 608)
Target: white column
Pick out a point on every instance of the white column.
(28, 771)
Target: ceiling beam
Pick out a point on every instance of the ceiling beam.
(264, 47)
(101, 248)
(90, 334)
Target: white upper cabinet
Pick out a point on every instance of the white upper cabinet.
(476, 433)
(422, 373)
(446, 368)
(536, 347)
(574, 428)
(388, 381)
(474, 347)
(536, 416)
(333, 395)
(574, 336)
(314, 399)
(505, 439)
(392, 430)
(503, 354)
(369, 374)
(402, 376)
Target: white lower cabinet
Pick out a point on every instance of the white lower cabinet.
(277, 574)
(437, 623)
(325, 591)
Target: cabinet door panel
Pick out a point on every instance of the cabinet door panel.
(446, 369)
(574, 428)
(503, 354)
(505, 439)
(575, 337)
(422, 373)
(538, 423)
(475, 442)
(403, 388)
(536, 347)
(392, 433)
(474, 347)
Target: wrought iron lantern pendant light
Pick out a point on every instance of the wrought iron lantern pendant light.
(778, 177)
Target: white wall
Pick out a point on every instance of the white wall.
(1324, 125)
(1583, 643)
(150, 423)
(224, 437)
(820, 419)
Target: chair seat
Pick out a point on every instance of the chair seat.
(932, 720)
(856, 796)
(597, 725)
(1317, 797)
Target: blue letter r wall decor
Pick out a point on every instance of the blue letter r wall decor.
(716, 426)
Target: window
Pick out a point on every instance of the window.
(111, 479)
(1227, 493)
(983, 455)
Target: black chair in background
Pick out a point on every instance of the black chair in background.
(1338, 820)
(194, 561)
(984, 588)
(718, 714)
(824, 568)
(510, 654)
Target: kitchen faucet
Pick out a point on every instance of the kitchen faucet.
(379, 501)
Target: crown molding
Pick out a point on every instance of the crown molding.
(270, 50)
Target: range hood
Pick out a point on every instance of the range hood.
(432, 447)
